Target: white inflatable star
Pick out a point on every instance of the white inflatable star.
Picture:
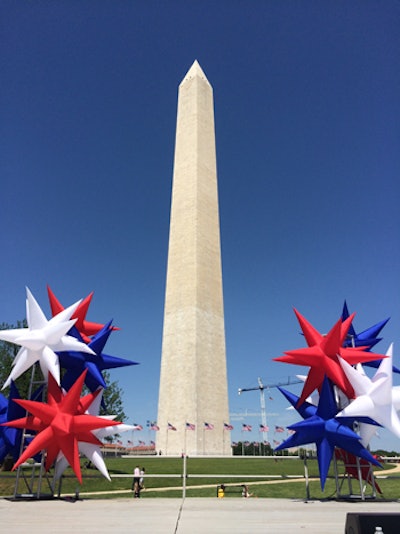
(375, 398)
(90, 450)
(41, 340)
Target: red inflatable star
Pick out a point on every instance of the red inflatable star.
(60, 424)
(85, 328)
(322, 356)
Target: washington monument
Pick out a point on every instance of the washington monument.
(193, 397)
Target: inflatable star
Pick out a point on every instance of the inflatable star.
(61, 424)
(364, 426)
(376, 398)
(321, 427)
(367, 338)
(90, 450)
(341, 398)
(306, 409)
(4, 442)
(322, 356)
(85, 328)
(10, 438)
(95, 363)
(41, 340)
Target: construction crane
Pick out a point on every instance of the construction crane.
(261, 387)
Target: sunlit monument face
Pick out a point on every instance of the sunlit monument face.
(193, 382)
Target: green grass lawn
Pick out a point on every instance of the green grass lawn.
(282, 487)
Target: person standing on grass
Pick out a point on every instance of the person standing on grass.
(142, 473)
(136, 482)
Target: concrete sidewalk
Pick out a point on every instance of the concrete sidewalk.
(191, 516)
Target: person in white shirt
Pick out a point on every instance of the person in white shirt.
(136, 482)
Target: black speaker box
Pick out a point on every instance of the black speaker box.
(366, 523)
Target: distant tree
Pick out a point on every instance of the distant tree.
(8, 351)
(112, 402)
(112, 399)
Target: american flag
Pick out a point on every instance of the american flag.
(276, 442)
(246, 428)
(137, 427)
(246, 443)
(171, 427)
(264, 428)
(228, 426)
(153, 443)
(190, 426)
(234, 443)
(208, 426)
(154, 426)
(129, 442)
(267, 443)
(119, 442)
(279, 429)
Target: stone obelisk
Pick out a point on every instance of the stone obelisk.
(193, 380)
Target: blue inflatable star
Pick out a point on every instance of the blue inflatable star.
(10, 438)
(321, 427)
(367, 338)
(76, 362)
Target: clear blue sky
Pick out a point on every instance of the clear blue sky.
(307, 117)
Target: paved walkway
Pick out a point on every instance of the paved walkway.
(191, 516)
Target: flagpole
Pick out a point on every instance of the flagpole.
(184, 476)
(184, 449)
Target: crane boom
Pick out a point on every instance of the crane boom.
(261, 387)
(287, 382)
